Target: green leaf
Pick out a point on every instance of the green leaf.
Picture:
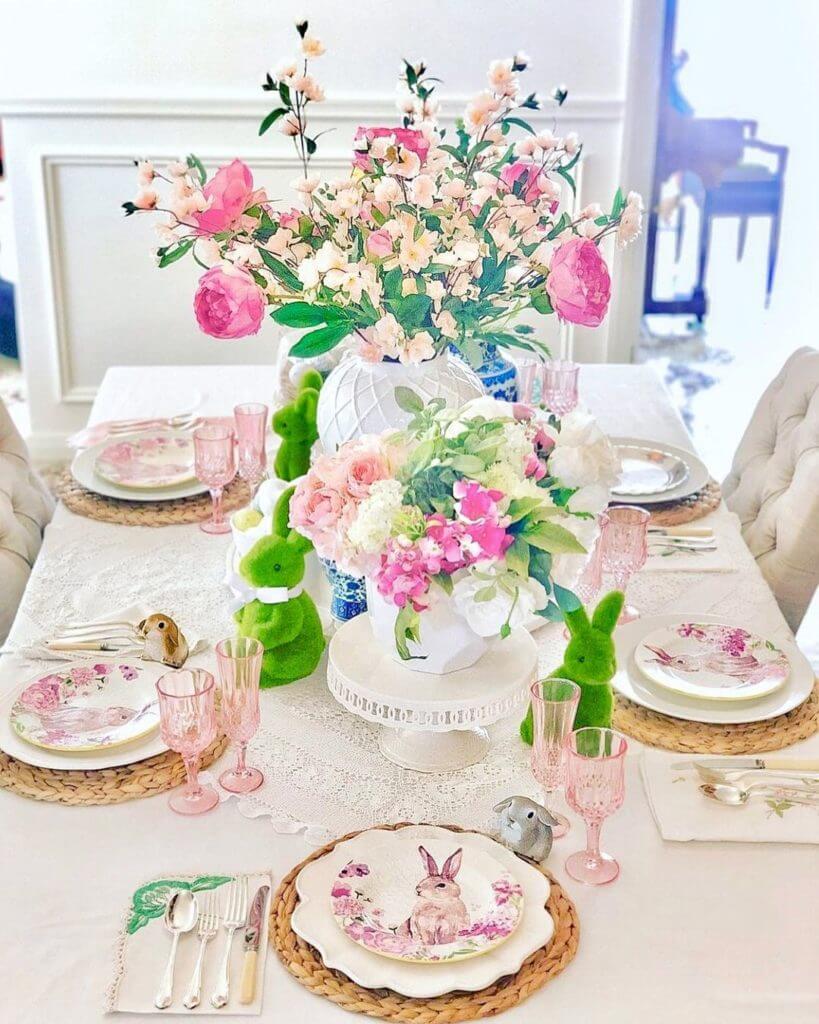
(284, 92)
(317, 342)
(196, 164)
(484, 594)
(517, 558)
(283, 273)
(618, 205)
(521, 507)
(271, 119)
(567, 177)
(520, 123)
(411, 310)
(551, 612)
(540, 302)
(392, 283)
(172, 255)
(443, 581)
(407, 400)
(560, 225)
(468, 464)
(567, 599)
(551, 537)
(407, 627)
(311, 145)
(303, 314)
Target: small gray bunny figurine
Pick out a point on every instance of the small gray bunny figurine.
(525, 827)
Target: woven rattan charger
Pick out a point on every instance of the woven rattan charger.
(686, 510)
(304, 962)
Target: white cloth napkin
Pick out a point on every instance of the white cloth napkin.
(683, 813)
(143, 946)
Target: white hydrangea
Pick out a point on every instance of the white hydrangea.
(373, 522)
(516, 446)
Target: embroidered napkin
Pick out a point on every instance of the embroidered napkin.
(144, 944)
(683, 813)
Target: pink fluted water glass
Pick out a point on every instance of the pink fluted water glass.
(559, 391)
(239, 662)
(215, 467)
(625, 548)
(595, 788)
(554, 705)
(251, 430)
(187, 722)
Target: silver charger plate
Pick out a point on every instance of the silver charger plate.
(646, 470)
(695, 479)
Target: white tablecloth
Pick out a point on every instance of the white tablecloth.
(696, 933)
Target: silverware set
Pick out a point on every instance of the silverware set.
(97, 636)
(186, 913)
(786, 778)
(184, 421)
(670, 540)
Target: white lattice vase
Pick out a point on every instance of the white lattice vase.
(359, 397)
(447, 641)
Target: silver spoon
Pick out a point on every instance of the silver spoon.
(736, 796)
(180, 916)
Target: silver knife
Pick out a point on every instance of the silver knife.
(793, 764)
(253, 935)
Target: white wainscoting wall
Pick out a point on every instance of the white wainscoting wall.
(76, 114)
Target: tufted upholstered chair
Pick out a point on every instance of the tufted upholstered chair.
(25, 508)
(773, 486)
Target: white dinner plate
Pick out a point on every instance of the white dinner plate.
(631, 683)
(40, 757)
(695, 480)
(82, 469)
(428, 904)
(313, 921)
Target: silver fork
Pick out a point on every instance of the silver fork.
(208, 927)
(235, 917)
(181, 422)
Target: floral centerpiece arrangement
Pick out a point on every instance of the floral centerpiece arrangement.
(490, 508)
(428, 241)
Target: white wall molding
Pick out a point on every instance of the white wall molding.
(363, 107)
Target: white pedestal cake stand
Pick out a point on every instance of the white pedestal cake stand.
(429, 723)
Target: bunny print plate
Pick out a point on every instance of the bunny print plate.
(425, 903)
(712, 661)
(147, 461)
(87, 707)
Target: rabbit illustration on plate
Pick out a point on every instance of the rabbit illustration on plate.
(439, 913)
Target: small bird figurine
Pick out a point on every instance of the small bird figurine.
(164, 640)
(525, 827)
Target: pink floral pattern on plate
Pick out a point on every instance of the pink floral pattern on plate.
(154, 461)
(367, 923)
(713, 660)
(71, 710)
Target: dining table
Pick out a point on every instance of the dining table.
(691, 932)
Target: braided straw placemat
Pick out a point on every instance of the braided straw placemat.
(686, 510)
(104, 786)
(304, 962)
(658, 730)
(145, 513)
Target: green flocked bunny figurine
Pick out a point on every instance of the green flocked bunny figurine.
(296, 426)
(290, 631)
(589, 660)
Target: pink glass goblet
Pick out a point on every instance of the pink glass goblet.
(527, 369)
(251, 429)
(215, 466)
(239, 662)
(187, 722)
(559, 385)
(554, 705)
(625, 548)
(595, 788)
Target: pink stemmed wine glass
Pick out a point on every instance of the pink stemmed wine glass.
(595, 788)
(251, 428)
(215, 466)
(554, 705)
(559, 385)
(625, 548)
(239, 662)
(187, 722)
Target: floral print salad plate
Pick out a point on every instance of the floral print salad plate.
(147, 461)
(314, 918)
(712, 661)
(87, 707)
(425, 905)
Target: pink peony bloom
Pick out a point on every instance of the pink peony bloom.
(409, 138)
(530, 173)
(230, 192)
(379, 244)
(578, 283)
(228, 303)
(44, 695)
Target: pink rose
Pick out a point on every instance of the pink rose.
(379, 244)
(362, 470)
(42, 695)
(228, 303)
(578, 283)
(230, 192)
(529, 172)
(410, 138)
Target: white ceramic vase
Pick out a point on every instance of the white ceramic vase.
(447, 641)
(359, 397)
